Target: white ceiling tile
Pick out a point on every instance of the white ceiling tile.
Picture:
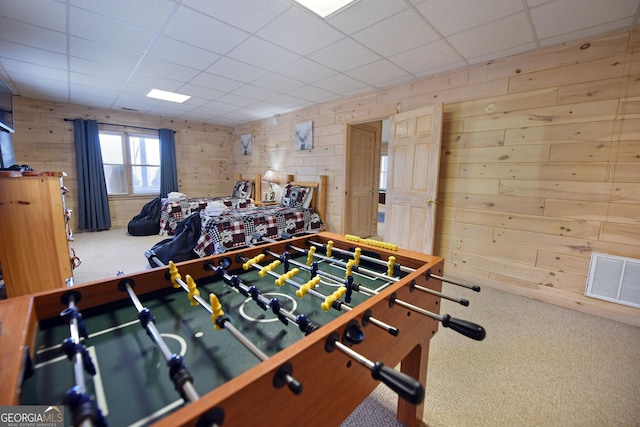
(494, 37)
(96, 52)
(239, 101)
(255, 92)
(148, 14)
(396, 34)
(565, 16)
(167, 69)
(38, 85)
(345, 55)
(200, 91)
(101, 70)
(341, 83)
(306, 71)
(277, 82)
(200, 30)
(236, 70)
(454, 16)
(378, 72)
(182, 53)
(427, 57)
(315, 94)
(34, 70)
(30, 35)
(51, 14)
(106, 30)
(11, 50)
(365, 13)
(588, 32)
(258, 51)
(250, 15)
(299, 31)
(212, 81)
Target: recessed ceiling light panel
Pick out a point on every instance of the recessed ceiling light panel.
(167, 96)
(324, 8)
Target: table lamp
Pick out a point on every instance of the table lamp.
(270, 195)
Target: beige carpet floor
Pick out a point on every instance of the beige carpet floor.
(540, 365)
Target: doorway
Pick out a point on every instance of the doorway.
(364, 200)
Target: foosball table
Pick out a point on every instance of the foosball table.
(289, 332)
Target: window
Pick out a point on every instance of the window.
(384, 169)
(131, 163)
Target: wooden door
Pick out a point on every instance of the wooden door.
(414, 163)
(363, 176)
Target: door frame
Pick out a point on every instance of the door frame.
(346, 221)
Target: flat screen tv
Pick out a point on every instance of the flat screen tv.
(6, 108)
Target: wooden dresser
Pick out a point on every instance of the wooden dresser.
(34, 235)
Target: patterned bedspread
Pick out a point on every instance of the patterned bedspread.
(237, 227)
(175, 211)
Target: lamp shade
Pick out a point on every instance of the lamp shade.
(269, 175)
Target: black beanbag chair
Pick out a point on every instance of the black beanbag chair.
(147, 222)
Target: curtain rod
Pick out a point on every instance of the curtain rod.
(115, 124)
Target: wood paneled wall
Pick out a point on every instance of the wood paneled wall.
(540, 164)
(44, 141)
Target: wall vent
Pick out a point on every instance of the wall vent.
(615, 279)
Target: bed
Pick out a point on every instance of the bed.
(175, 210)
(300, 210)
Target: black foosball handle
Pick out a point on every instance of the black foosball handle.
(466, 328)
(407, 387)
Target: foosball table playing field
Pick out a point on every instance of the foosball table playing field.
(289, 332)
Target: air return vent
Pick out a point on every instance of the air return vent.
(615, 279)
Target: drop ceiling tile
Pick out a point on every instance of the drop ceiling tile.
(33, 55)
(200, 91)
(182, 53)
(345, 55)
(93, 51)
(51, 14)
(589, 32)
(277, 83)
(314, 94)
(30, 35)
(105, 30)
(250, 15)
(142, 83)
(167, 69)
(494, 37)
(378, 72)
(455, 16)
(365, 13)
(565, 16)
(239, 101)
(396, 34)
(341, 83)
(299, 31)
(97, 69)
(197, 29)
(111, 84)
(306, 71)
(255, 92)
(148, 14)
(236, 70)
(212, 81)
(427, 57)
(267, 55)
(26, 69)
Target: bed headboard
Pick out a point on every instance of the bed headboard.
(319, 199)
(255, 184)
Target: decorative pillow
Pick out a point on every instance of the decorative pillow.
(241, 190)
(294, 196)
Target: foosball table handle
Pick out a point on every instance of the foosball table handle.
(466, 328)
(407, 387)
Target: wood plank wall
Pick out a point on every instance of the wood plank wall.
(44, 141)
(540, 162)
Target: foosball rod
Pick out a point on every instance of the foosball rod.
(294, 385)
(461, 301)
(85, 412)
(335, 303)
(305, 326)
(475, 288)
(148, 322)
(463, 327)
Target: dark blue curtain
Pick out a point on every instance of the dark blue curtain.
(93, 202)
(168, 168)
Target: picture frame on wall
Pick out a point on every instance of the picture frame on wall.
(245, 142)
(303, 136)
